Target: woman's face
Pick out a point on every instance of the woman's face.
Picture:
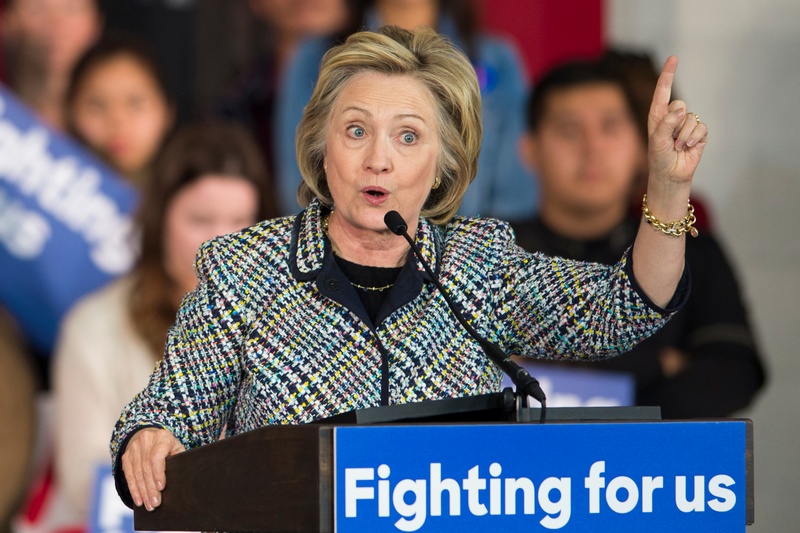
(210, 206)
(382, 150)
(122, 113)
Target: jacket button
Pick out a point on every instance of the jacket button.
(332, 285)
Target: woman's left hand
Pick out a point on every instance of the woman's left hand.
(677, 137)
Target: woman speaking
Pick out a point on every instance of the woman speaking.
(304, 317)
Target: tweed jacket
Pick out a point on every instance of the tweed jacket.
(275, 334)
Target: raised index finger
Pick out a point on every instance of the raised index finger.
(663, 92)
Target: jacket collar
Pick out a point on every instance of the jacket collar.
(309, 244)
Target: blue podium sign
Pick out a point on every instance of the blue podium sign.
(65, 222)
(599, 477)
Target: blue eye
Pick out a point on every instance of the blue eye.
(358, 132)
(408, 138)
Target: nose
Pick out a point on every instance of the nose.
(377, 158)
(593, 142)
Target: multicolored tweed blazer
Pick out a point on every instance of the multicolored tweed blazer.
(275, 334)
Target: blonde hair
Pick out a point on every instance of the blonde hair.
(438, 65)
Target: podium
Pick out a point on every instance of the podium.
(412, 469)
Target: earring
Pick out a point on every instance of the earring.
(436, 183)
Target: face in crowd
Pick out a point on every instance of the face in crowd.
(120, 110)
(211, 205)
(586, 149)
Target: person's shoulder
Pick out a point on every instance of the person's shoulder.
(245, 251)
(99, 314)
(264, 236)
(103, 302)
(479, 231)
(498, 50)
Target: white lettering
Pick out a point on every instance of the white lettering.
(495, 489)
(629, 486)
(650, 484)
(353, 492)
(474, 484)
(384, 507)
(23, 233)
(528, 495)
(561, 508)
(68, 193)
(594, 483)
(725, 498)
(681, 500)
(414, 510)
(410, 498)
(439, 485)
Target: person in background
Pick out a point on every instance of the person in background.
(503, 187)
(118, 104)
(304, 317)
(259, 100)
(42, 40)
(18, 417)
(583, 144)
(210, 180)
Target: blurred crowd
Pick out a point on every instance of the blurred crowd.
(195, 104)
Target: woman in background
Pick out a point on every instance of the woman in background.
(210, 181)
(119, 106)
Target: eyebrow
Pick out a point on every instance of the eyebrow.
(369, 115)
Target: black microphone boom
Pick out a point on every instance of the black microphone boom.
(525, 383)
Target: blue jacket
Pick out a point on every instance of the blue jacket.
(275, 334)
(502, 187)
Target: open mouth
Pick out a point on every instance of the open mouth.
(375, 192)
(375, 195)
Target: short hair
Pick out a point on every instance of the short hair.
(432, 60)
(192, 152)
(570, 75)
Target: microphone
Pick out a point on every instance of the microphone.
(525, 383)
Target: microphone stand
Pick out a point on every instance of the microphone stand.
(526, 384)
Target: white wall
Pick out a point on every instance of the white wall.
(740, 70)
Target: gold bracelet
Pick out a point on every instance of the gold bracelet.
(675, 229)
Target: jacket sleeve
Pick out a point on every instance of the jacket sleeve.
(555, 308)
(193, 388)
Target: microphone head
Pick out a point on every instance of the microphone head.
(394, 221)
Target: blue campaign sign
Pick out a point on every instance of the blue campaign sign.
(107, 513)
(570, 386)
(600, 477)
(65, 222)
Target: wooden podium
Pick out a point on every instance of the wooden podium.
(283, 478)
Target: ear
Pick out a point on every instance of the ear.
(528, 149)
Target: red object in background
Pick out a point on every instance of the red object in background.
(548, 32)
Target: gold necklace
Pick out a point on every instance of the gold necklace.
(356, 285)
(376, 289)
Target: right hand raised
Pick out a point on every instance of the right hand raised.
(144, 464)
